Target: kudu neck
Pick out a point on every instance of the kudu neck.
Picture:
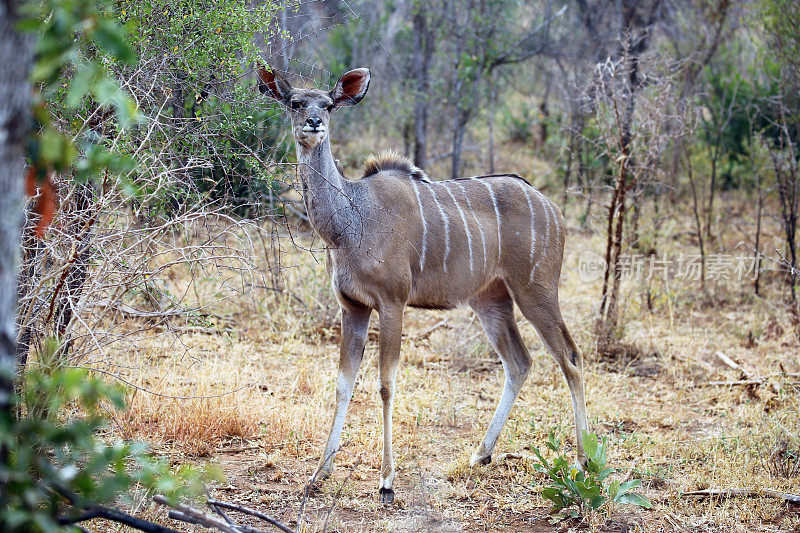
(330, 199)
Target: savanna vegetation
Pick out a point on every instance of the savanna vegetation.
(168, 333)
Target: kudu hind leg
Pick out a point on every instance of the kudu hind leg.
(541, 308)
(355, 321)
(495, 310)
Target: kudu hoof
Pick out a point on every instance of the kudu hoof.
(480, 461)
(387, 496)
(323, 474)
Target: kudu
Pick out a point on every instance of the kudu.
(397, 239)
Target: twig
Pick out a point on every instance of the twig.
(729, 362)
(737, 382)
(744, 493)
(338, 492)
(427, 333)
(278, 290)
(187, 514)
(241, 449)
(251, 512)
(217, 509)
(311, 484)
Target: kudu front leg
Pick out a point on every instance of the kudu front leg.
(355, 321)
(391, 326)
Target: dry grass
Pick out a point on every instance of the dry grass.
(269, 388)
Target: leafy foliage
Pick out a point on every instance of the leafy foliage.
(56, 465)
(575, 490)
(78, 37)
(192, 85)
(519, 126)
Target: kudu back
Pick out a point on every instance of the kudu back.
(395, 239)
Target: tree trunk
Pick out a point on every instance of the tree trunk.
(712, 188)
(459, 129)
(423, 52)
(82, 218)
(15, 93)
(701, 233)
(757, 250)
(32, 248)
(492, 107)
(609, 302)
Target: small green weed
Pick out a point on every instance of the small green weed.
(575, 491)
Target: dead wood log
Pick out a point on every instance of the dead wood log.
(744, 493)
(114, 515)
(251, 512)
(427, 333)
(190, 515)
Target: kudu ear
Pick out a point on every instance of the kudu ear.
(273, 85)
(350, 88)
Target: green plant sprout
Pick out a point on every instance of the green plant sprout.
(574, 491)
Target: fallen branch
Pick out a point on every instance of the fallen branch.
(184, 513)
(744, 493)
(338, 493)
(251, 447)
(427, 333)
(737, 382)
(311, 483)
(730, 363)
(509, 456)
(251, 512)
(114, 515)
(129, 311)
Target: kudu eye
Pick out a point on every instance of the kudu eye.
(294, 104)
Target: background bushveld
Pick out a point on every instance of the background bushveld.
(165, 250)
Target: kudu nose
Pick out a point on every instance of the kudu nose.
(314, 122)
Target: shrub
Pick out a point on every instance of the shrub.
(575, 491)
(55, 467)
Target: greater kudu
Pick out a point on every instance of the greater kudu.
(397, 239)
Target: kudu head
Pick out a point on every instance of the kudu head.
(310, 109)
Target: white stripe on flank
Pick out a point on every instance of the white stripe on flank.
(545, 204)
(466, 229)
(477, 222)
(497, 213)
(525, 193)
(554, 210)
(546, 210)
(446, 226)
(424, 226)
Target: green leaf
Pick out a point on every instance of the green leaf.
(552, 442)
(538, 454)
(613, 488)
(603, 474)
(111, 38)
(589, 444)
(80, 85)
(628, 485)
(634, 498)
(554, 495)
(598, 501)
(106, 91)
